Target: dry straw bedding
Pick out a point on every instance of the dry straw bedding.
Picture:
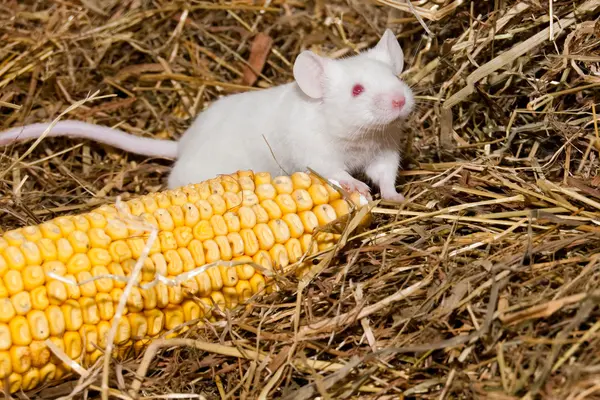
(483, 285)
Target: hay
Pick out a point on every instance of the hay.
(483, 285)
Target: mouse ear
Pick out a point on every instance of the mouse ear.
(388, 50)
(309, 72)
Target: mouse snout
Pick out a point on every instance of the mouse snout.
(398, 102)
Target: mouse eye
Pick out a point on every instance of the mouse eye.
(357, 89)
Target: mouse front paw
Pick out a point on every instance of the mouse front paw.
(355, 185)
(392, 196)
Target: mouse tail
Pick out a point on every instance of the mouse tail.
(77, 129)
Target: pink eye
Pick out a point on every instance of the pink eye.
(357, 89)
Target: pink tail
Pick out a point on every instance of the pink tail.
(78, 129)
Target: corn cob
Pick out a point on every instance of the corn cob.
(245, 217)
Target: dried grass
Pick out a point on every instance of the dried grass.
(484, 285)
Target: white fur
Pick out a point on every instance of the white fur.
(312, 122)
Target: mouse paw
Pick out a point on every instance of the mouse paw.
(356, 186)
(394, 197)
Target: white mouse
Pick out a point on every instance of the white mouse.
(338, 117)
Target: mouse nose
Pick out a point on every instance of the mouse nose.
(398, 102)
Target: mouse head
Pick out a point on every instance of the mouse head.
(364, 90)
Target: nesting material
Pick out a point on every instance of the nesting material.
(482, 285)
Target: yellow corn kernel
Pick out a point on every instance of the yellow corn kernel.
(236, 243)
(177, 213)
(308, 244)
(217, 203)
(39, 298)
(204, 284)
(87, 289)
(257, 283)
(20, 357)
(246, 183)
(262, 216)
(38, 325)
(13, 282)
(244, 290)
(216, 187)
(279, 255)
(3, 290)
(32, 233)
(218, 224)
(119, 251)
(105, 305)
(32, 253)
(175, 294)
(103, 329)
(218, 300)
(261, 178)
(47, 373)
(302, 199)
(191, 310)
(14, 237)
(56, 267)
(98, 239)
(183, 235)
(174, 263)
(156, 321)
(81, 223)
(324, 213)
(60, 344)
(318, 194)
(224, 248)
(116, 229)
(215, 278)
(301, 180)
(263, 258)
(73, 315)
(73, 344)
(56, 291)
(148, 272)
(47, 249)
(40, 353)
(309, 221)
(232, 201)
(65, 225)
(7, 310)
(56, 320)
(340, 206)
(116, 269)
(30, 379)
(264, 236)
(186, 259)
(244, 271)
(104, 285)
(3, 244)
(135, 302)
(96, 220)
(3, 265)
(211, 251)
(73, 290)
(228, 275)
(139, 325)
(197, 251)
(21, 302)
(123, 331)
(231, 297)
(79, 241)
(251, 244)
(173, 317)
(5, 364)
(50, 231)
(33, 277)
(64, 250)
(191, 214)
(167, 241)
(89, 310)
(77, 263)
(203, 231)
(5, 337)
(162, 295)
(149, 298)
(91, 357)
(294, 249)
(283, 184)
(14, 258)
(164, 219)
(272, 209)
(189, 287)
(204, 208)
(98, 256)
